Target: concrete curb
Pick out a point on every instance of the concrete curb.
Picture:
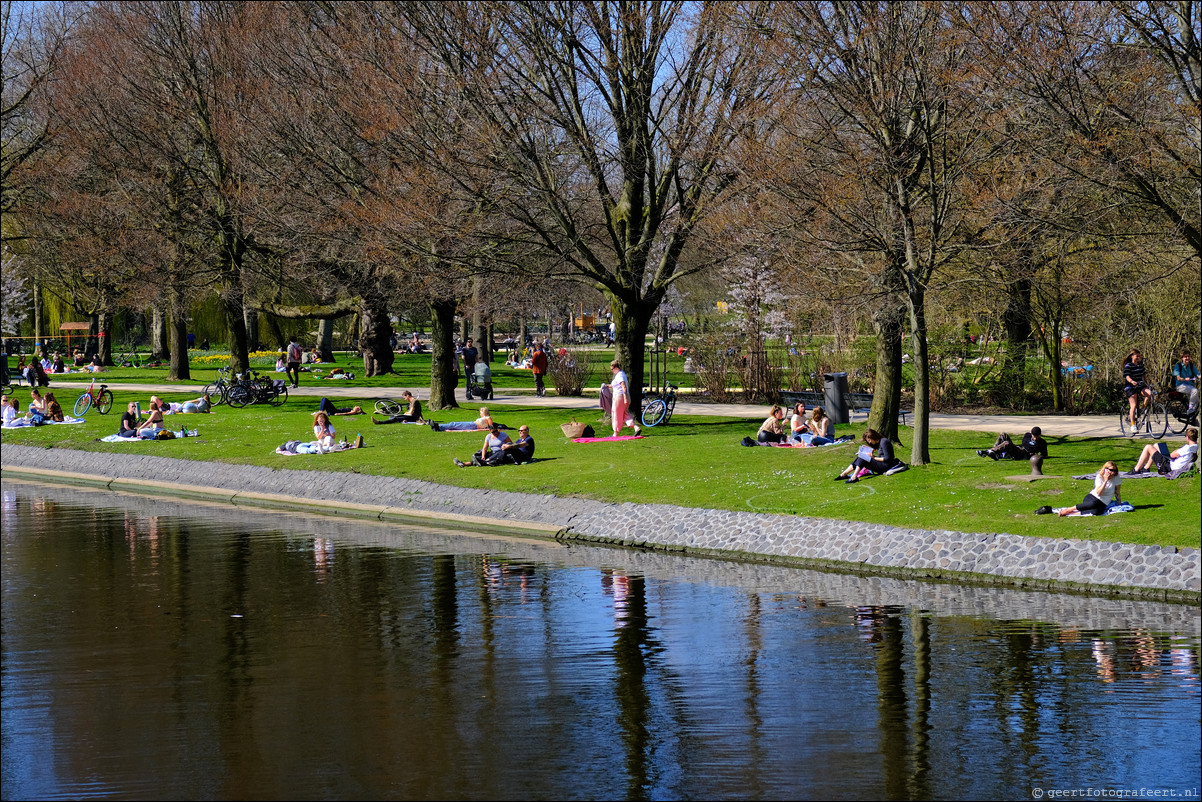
(1095, 567)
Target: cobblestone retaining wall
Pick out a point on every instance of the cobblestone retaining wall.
(1153, 571)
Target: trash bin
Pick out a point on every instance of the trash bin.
(3, 368)
(835, 396)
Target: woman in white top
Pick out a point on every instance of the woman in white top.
(621, 393)
(1158, 455)
(1107, 486)
(797, 423)
(323, 430)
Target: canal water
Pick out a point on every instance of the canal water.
(159, 650)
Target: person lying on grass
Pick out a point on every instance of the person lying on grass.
(875, 457)
(480, 424)
(498, 449)
(327, 406)
(1004, 448)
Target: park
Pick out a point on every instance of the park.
(937, 222)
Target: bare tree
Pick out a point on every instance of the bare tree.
(599, 133)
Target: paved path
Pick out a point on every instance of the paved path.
(1052, 425)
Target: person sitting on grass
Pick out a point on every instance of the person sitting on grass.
(1107, 486)
(8, 409)
(327, 406)
(797, 423)
(1158, 454)
(150, 428)
(1004, 448)
(129, 421)
(875, 457)
(323, 430)
(771, 430)
(480, 424)
(822, 428)
(54, 412)
(499, 449)
(411, 415)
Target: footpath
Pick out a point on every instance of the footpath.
(1052, 425)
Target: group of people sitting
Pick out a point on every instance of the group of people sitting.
(817, 430)
(132, 424)
(1004, 448)
(42, 410)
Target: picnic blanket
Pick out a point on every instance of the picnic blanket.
(609, 439)
(1144, 474)
(1113, 509)
(311, 448)
(116, 438)
(21, 423)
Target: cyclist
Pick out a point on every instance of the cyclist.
(1134, 384)
(1185, 376)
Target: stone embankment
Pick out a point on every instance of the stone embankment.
(998, 559)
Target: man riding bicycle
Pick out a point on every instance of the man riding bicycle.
(1134, 384)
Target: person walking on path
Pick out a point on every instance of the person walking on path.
(295, 355)
(621, 395)
(538, 366)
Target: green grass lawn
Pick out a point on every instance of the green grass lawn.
(409, 370)
(696, 461)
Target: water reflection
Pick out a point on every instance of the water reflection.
(154, 650)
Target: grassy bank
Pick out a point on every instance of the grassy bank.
(696, 461)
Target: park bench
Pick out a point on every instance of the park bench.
(856, 402)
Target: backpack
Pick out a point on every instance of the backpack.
(294, 352)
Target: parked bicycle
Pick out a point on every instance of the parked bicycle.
(1151, 418)
(254, 388)
(659, 409)
(102, 399)
(218, 391)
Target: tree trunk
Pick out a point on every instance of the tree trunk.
(442, 354)
(521, 334)
(375, 337)
(251, 318)
(1017, 320)
(886, 393)
(158, 333)
(632, 319)
(104, 340)
(920, 448)
(325, 339)
(235, 322)
(39, 323)
(180, 369)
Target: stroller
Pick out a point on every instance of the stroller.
(479, 382)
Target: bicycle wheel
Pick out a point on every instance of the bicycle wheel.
(280, 398)
(104, 402)
(239, 396)
(1158, 420)
(387, 406)
(83, 404)
(654, 412)
(1125, 428)
(216, 393)
(1176, 408)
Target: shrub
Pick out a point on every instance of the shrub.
(570, 371)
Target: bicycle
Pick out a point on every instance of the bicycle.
(253, 388)
(1150, 418)
(391, 406)
(1176, 404)
(659, 409)
(102, 399)
(218, 391)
